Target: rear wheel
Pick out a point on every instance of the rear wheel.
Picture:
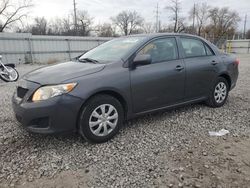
(101, 118)
(219, 93)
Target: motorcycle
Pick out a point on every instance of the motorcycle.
(8, 73)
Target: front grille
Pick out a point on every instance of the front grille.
(42, 122)
(21, 92)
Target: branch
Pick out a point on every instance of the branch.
(12, 18)
(5, 6)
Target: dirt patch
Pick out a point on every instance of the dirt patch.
(216, 162)
(66, 179)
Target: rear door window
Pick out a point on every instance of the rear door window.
(193, 47)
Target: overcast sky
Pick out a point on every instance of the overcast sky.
(102, 10)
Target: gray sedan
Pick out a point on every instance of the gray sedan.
(121, 79)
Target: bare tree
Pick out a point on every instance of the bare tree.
(66, 26)
(148, 27)
(55, 27)
(248, 34)
(10, 13)
(201, 13)
(84, 22)
(105, 30)
(222, 22)
(40, 26)
(60, 26)
(175, 8)
(128, 21)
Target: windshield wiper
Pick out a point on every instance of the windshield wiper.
(88, 60)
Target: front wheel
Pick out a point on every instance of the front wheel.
(101, 118)
(9, 74)
(219, 93)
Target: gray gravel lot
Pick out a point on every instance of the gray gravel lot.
(132, 159)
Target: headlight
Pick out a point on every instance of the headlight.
(47, 92)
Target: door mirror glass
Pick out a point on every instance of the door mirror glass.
(143, 59)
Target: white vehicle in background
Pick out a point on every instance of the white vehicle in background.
(8, 73)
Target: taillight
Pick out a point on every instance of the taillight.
(237, 62)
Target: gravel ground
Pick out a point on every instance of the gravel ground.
(170, 148)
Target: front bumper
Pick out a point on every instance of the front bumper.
(57, 114)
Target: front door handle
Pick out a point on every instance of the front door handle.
(179, 68)
(214, 62)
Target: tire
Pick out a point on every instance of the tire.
(92, 121)
(4, 78)
(216, 99)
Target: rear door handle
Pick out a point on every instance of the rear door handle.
(214, 62)
(179, 68)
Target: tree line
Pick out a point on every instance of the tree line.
(204, 20)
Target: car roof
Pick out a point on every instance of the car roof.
(153, 35)
(150, 36)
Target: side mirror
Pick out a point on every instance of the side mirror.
(144, 59)
(1, 57)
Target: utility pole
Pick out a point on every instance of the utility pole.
(194, 19)
(245, 23)
(75, 19)
(159, 29)
(157, 19)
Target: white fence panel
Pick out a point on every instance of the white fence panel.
(238, 46)
(27, 48)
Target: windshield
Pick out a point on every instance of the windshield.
(113, 50)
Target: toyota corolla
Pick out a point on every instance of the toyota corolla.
(121, 79)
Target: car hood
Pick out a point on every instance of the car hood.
(61, 72)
